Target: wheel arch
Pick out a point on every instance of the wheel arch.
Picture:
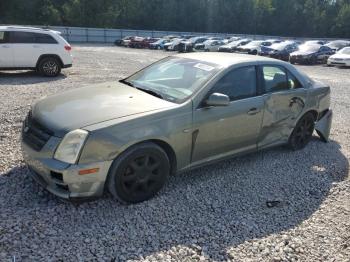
(49, 55)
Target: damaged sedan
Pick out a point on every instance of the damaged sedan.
(179, 113)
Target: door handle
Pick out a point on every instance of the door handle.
(297, 100)
(253, 111)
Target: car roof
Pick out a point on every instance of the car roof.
(27, 28)
(225, 59)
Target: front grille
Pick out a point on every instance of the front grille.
(34, 134)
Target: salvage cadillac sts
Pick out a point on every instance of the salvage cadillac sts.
(179, 113)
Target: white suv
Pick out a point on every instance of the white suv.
(33, 48)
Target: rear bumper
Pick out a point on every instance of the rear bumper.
(63, 180)
(324, 124)
(67, 66)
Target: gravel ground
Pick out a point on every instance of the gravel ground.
(216, 213)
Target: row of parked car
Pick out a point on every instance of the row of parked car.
(335, 52)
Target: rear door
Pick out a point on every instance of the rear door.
(26, 51)
(6, 51)
(285, 99)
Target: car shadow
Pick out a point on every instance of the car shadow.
(210, 209)
(26, 78)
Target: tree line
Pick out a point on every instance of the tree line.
(303, 18)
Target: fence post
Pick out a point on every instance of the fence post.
(87, 34)
(67, 35)
(121, 34)
(104, 35)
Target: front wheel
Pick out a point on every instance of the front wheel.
(139, 173)
(49, 66)
(302, 132)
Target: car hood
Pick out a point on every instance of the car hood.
(82, 107)
(340, 56)
(303, 53)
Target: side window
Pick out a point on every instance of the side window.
(22, 37)
(2, 37)
(238, 84)
(293, 82)
(44, 39)
(275, 79)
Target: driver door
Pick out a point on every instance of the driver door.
(225, 130)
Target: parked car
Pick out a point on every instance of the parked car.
(179, 113)
(188, 45)
(202, 46)
(279, 51)
(254, 47)
(209, 45)
(159, 44)
(173, 45)
(142, 42)
(231, 47)
(311, 54)
(338, 44)
(315, 42)
(126, 40)
(43, 50)
(341, 58)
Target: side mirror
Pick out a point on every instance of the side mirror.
(217, 99)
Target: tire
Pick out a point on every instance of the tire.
(49, 66)
(302, 132)
(139, 173)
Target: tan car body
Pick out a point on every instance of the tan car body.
(118, 116)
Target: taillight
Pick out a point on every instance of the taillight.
(68, 47)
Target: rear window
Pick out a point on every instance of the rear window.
(2, 37)
(17, 37)
(45, 39)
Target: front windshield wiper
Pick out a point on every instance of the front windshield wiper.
(124, 81)
(148, 91)
(151, 92)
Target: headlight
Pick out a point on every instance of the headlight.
(69, 149)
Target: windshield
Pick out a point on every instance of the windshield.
(280, 46)
(174, 79)
(255, 43)
(309, 48)
(345, 51)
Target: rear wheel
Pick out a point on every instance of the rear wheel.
(139, 173)
(49, 66)
(302, 132)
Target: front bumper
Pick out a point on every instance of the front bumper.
(338, 62)
(62, 179)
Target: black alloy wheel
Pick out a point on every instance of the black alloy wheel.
(302, 132)
(139, 173)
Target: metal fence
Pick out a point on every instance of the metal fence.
(101, 35)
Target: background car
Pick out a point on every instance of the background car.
(231, 47)
(201, 46)
(141, 42)
(159, 44)
(188, 45)
(341, 58)
(254, 47)
(43, 50)
(311, 54)
(338, 44)
(173, 45)
(209, 45)
(279, 51)
(125, 41)
(315, 42)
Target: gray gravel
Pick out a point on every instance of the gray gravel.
(216, 213)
